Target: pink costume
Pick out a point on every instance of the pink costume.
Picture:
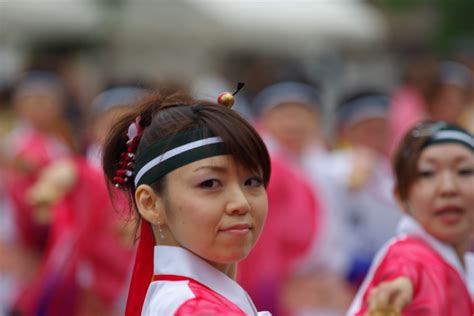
(31, 148)
(85, 251)
(184, 284)
(440, 281)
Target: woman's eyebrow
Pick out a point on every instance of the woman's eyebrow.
(220, 169)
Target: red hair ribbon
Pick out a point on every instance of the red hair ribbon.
(125, 164)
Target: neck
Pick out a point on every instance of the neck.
(461, 249)
(228, 269)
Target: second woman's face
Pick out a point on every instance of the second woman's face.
(215, 208)
(442, 197)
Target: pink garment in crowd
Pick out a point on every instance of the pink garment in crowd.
(406, 109)
(84, 252)
(31, 151)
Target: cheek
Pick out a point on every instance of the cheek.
(260, 209)
(419, 201)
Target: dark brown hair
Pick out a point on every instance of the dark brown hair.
(405, 162)
(162, 116)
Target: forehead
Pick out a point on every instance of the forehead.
(221, 162)
(446, 152)
(292, 106)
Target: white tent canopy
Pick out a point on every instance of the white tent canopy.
(169, 36)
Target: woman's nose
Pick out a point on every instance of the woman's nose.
(448, 183)
(238, 202)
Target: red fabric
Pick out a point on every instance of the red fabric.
(205, 301)
(142, 271)
(438, 287)
(288, 233)
(34, 150)
(84, 250)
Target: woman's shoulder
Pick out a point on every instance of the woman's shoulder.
(408, 244)
(408, 256)
(187, 297)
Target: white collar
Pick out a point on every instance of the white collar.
(409, 226)
(180, 261)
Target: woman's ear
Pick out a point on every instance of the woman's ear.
(149, 204)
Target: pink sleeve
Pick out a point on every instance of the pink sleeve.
(203, 307)
(207, 302)
(395, 264)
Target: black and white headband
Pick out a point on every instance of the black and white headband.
(442, 132)
(169, 154)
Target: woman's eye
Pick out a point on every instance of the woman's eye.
(253, 182)
(209, 184)
(466, 172)
(426, 174)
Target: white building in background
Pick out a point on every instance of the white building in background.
(183, 37)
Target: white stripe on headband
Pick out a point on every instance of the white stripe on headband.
(455, 135)
(173, 152)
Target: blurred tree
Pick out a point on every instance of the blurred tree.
(454, 19)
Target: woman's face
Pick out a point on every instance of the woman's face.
(293, 125)
(215, 208)
(442, 197)
(41, 109)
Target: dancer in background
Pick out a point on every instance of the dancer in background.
(294, 210)
(87, 264)
(200, 201)
(362, 172)
(424, 271)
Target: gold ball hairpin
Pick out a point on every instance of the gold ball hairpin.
(227, 99)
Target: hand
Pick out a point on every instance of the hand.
(54, 181)
(362, 166)
(389, 298)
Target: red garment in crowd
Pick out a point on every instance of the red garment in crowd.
(288, 233)
(438, 278)
(31, 151)
(85, 250)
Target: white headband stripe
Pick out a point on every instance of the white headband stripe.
(173, 152)
(454, 135)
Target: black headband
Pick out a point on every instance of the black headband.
(181, 149)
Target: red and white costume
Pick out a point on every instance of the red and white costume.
(440, 281)
(184, 284)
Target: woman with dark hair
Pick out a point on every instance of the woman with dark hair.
(196, 172)
(425, 270)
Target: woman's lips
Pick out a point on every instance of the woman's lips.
(450, 214)
(238, 229)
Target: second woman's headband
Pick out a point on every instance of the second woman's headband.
(442, 132)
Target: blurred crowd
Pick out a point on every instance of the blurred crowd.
(66, 248)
